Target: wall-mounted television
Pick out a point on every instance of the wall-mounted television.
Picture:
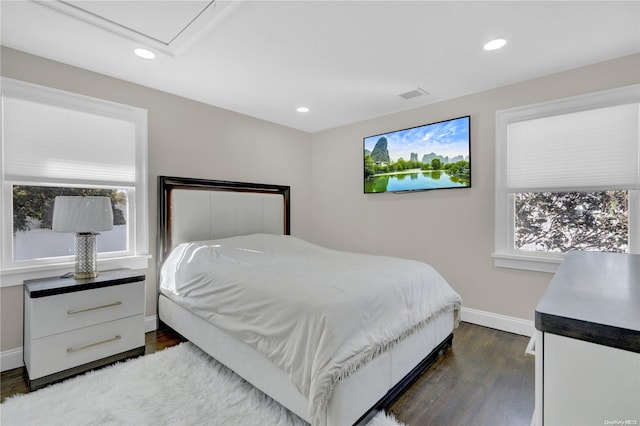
(432, 156)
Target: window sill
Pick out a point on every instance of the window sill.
(15, 277)
(527, 262)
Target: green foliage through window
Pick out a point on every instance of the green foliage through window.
(35, 203)
(563, 221)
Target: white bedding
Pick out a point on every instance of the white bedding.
(317, 314)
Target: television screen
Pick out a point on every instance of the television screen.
(433, 156)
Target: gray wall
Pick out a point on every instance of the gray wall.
(453, 230)
(186, 138)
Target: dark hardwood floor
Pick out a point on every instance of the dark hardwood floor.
(484, 379)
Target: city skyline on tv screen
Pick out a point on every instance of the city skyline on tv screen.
(432, 156)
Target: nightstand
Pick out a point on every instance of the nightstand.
(74, 325)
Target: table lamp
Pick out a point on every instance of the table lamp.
(85, 216)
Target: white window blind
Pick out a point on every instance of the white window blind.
(44, 142)
(54, 138)
(597, 149)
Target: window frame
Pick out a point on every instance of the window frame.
(137, 256)
(505, 254)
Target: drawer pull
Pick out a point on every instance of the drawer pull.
(77, 311)
(91, 345)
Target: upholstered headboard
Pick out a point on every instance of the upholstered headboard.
(199, 209)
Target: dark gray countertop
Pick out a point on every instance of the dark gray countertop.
(594, 297)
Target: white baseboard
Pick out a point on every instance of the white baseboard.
(150, 323)
(13, 357)
(499, 322)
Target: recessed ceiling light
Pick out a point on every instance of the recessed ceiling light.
(144, 53)
(495, 44)
(303, 109)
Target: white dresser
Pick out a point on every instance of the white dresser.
(71, 326)
(588, 343)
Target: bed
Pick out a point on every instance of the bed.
(227, 245)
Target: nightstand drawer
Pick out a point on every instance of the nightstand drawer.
(64, 312)
(62, 351)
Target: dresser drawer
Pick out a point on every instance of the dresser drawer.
(62, 351)
(65, 312)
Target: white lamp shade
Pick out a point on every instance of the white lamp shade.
(82, 214)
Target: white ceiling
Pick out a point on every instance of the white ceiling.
(346, 60)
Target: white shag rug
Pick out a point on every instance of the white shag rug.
(180, 385)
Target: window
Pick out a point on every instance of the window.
(33, 213)
(568, 178)
(558, 222)
(60, 143)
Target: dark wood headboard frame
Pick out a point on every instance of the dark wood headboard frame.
(167, 184)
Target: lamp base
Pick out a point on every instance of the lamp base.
(84, 275)
(86, 256)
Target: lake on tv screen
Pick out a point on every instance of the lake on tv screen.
(433, 156)
(421, 180)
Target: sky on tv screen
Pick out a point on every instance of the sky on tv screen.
(448, 139)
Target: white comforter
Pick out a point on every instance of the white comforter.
(316, 313)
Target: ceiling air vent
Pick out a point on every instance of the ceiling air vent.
(413, 93)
